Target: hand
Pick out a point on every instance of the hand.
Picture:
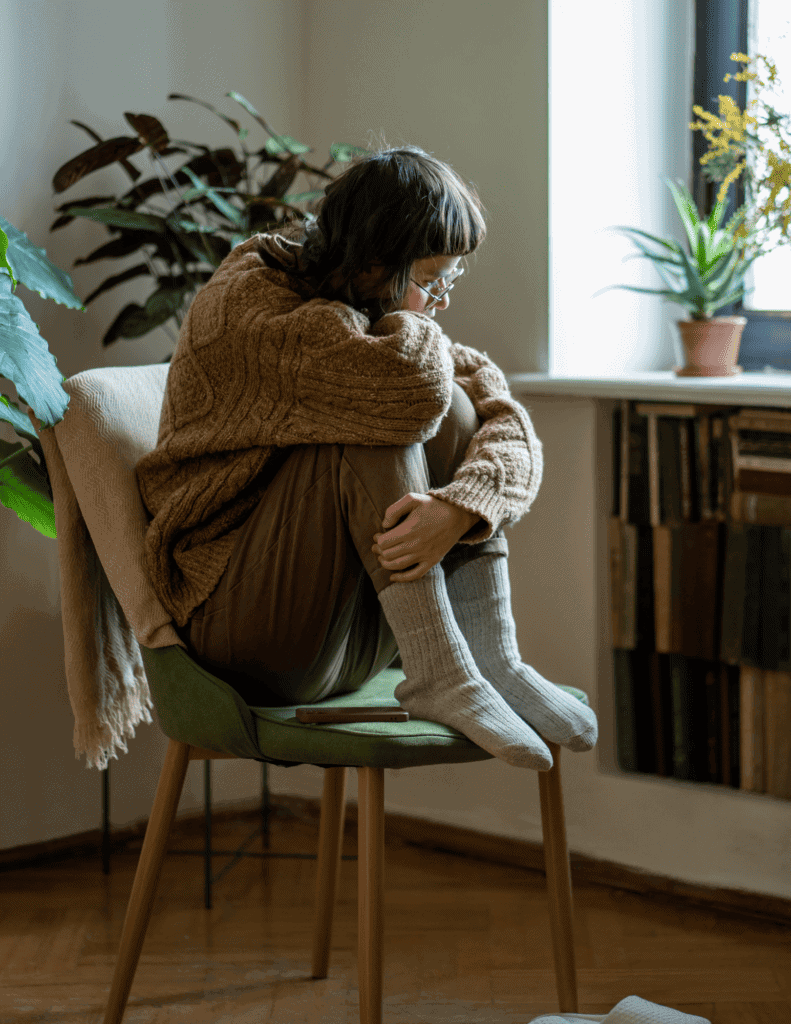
(431, 528)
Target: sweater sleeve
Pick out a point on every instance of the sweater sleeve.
(502, 469)
(386, 383)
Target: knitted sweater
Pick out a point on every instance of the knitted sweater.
(263, 363)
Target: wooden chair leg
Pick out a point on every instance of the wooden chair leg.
(370, 870)
(141, 901)
(556, 858)
(333, 807)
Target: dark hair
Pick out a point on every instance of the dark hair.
(390, 207)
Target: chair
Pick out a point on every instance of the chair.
(205, 718)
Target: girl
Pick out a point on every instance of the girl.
(332, 474)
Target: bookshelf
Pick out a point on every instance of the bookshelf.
(699, 540)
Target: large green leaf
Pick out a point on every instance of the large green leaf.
(182, 224)
(120, 218)
(35, 271)
(27, 362)
(24, 490)
(285, 144)
(305, 197)
(671, 246)
(342, 152)
(225, 208)
(134, 320)
(686, 211)
(4, 257)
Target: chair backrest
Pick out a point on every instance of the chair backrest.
(111, 422)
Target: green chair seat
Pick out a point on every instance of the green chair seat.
(196, 707)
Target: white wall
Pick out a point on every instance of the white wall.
(91, 61)
(468, 81)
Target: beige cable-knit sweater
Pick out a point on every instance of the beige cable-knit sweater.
(263, 363)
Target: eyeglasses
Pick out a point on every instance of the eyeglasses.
(437, 297)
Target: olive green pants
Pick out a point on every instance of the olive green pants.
(295, 617)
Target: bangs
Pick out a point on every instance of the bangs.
(455, 225)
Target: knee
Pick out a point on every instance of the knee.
(462, 413)
(446, 450)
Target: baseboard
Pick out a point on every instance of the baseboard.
(436, 836)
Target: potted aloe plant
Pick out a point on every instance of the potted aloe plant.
(709, 276)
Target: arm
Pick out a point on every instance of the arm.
(387, 383)
(501, 472)
(494, 486)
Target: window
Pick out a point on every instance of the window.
(769, 34)
(723, 27)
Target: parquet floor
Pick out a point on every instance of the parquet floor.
(465, 941)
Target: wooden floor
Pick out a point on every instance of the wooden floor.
(465, 941)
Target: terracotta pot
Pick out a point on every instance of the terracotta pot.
(711, 346)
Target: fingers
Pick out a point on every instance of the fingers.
(411, 574)
(399, 509)
(396, 561)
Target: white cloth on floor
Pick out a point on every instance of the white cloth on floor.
(631, 1010)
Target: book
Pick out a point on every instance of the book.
(670, 475)
(639, 484)
(733, 686)
(661, 712)
(772, 604)
(700, 547)
(751, 729)
(625, 732)
(784, 600)
(753, 597)
(713, 761)
(777, 734)
(683, 716)
(622, 537)
(645, 633)
(754, 507)
(702, 428)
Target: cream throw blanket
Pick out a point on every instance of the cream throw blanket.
(108, 606)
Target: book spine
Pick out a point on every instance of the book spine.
(685, 469)
(703, 440)
(683, 711)
(626, 745)
(733, 590)
(751, 739)
(752, 599)
(777, 712)
(784, 600)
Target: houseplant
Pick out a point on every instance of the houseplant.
(710, 276)
(713, 274)
(181, 246)
(226, 204)
(757, 146)
(31, 367)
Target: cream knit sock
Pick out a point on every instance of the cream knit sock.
(480, 595)
(442, 682)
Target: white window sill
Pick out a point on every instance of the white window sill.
(742, 389)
